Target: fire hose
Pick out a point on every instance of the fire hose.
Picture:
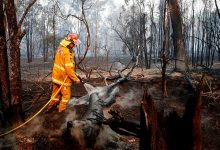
(31, 118)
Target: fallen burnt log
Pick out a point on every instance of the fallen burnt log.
(49, 128)
(88, 127)
(61, 130)
(173, 132)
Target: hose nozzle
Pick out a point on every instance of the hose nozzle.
(81, 80)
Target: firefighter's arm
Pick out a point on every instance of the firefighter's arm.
(70, 67)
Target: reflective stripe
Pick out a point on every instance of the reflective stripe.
(69, 65)
(64, 100)
(55, 99)
(60, 82)
(59, 67)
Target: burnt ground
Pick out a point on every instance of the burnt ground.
(48, 128)
(45, 131)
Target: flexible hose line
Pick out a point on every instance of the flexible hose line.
(21, 125)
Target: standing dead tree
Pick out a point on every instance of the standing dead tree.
(164, 50)
(178, 39)
(151, 135)
(4, 77)
(216, 5)
(162, 132)
(15, 36)
(54, 28)
(152, 38)
(193, 33)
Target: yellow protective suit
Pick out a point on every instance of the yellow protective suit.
(64, 65)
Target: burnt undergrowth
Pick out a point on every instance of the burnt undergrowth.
(171, 130)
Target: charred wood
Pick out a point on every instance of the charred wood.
(172, 131)
(151, 137)
(90, 124)
(178, 39)
(192, 116)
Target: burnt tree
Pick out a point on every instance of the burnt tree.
(193, 35)
(15, 36)
(29, 38)
(178, 39)
(162, 132)
(151, 134)
(164, 51)
(216, 5)
(4, 76)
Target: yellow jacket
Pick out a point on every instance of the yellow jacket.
(64, 65)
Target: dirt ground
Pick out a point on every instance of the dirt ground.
(36, 90)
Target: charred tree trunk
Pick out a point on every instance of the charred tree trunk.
(164, 51)
(192, 118)
(47, 40)
(203, 46)
(54, 33)
(15, 36)
(145, 42)
(197, 140)
(178, 39)
(198, 41)
(159, 132)
(161, 34)
(193, 38)
(141, 37)
(4, 77)
(151, 38)
(151, 137)
(28, 45)
(31, 39)
(218, 53)
(216, 5)
(44, 34)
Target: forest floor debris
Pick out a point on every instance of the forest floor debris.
(177, 96)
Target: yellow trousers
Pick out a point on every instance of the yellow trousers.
(64, 94)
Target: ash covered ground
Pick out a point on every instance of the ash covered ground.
(45, 131)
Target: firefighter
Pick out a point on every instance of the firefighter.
(64, 65)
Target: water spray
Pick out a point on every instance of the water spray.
(87, 86)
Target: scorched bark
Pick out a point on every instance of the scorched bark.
(4, 62)
(15, 36)
(178, 40)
